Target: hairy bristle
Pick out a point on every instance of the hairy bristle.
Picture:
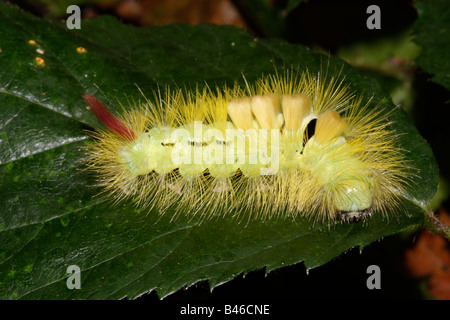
(106, 117)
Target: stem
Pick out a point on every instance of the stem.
(436, 226)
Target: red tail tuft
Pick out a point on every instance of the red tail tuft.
(108, 119)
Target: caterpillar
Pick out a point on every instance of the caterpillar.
(291, 145)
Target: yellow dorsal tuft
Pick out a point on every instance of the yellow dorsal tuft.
(295, 108)
(240, 112)
(328, 126)
(266, 109)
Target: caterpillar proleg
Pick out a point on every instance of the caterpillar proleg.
(286, 146)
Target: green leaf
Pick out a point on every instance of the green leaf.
(432, 30)
(51, 216)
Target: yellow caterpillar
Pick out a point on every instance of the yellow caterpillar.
(289, 145)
